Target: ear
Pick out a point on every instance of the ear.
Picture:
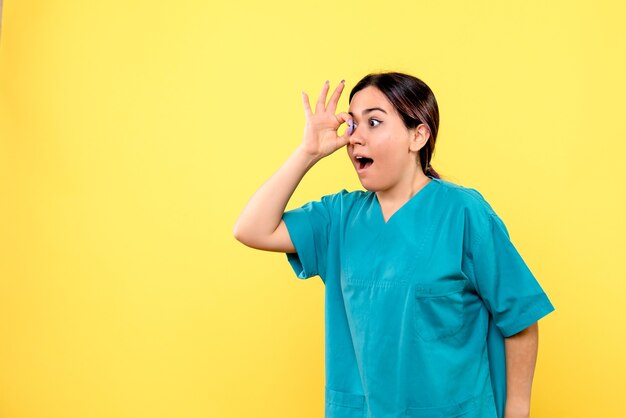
(419, 137)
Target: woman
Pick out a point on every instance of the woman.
(430, 310)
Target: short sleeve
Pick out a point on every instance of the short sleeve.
(503, 280)
(309, 227)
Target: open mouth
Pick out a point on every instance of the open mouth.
(363, 162)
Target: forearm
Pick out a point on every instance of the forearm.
(264, 211)
(260, 223)
(521, 357)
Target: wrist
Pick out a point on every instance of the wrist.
(303, 155)
(516, 408)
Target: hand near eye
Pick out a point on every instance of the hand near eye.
(320, 131)
(261, 223)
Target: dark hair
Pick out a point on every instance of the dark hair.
(414, 101)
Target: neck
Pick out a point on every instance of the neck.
(402, 192)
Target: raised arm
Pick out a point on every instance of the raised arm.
(260, 224)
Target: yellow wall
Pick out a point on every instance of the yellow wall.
(133, 132)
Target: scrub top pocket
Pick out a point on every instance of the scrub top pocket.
(438, 309)
(344, 405)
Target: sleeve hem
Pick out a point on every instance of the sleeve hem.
(303, 260)
(528, 319)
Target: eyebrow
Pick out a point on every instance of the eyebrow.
(369, 110)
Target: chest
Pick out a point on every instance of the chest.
(408, 250)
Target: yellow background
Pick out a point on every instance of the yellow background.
(133, 132)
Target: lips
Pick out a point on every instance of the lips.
(363, 162)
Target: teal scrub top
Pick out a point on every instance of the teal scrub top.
(416, 308)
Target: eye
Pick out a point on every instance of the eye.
(374, 122)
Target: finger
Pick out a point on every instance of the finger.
(334, 99)
(344, 117)
(307, 105)
(321, 100)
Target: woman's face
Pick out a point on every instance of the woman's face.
(380, 145)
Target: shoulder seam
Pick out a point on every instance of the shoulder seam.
(469, 191)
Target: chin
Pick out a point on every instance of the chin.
(370, 186)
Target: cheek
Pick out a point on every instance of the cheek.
(383, 142)
(392, 148)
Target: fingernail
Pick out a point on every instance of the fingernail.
(350, 127)
(343, 81)
(326, 81)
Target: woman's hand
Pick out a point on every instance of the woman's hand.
(320, 131)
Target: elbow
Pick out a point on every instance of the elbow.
(239, 233)
(244, 235)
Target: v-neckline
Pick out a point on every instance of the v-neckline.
(413, 198)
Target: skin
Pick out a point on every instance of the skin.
(521, 357)
(395, 176)
(380, 134)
